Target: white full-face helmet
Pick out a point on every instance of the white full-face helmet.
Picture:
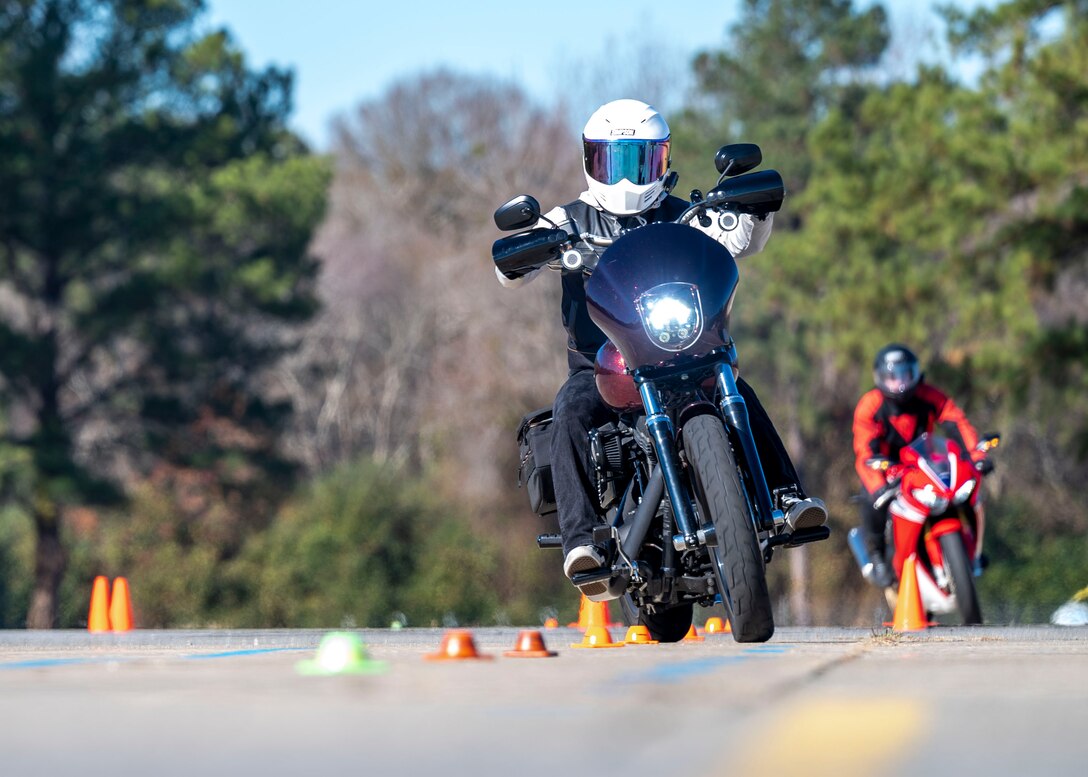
(625, 156)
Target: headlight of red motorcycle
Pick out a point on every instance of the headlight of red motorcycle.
(963, 493)
(930, 498)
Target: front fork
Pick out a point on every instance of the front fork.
(661, 431)
(736, 415)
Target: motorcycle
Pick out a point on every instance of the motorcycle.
(937, 523)
(686, 513)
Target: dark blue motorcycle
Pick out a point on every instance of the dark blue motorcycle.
(686, 514)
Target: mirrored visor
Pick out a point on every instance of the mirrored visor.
(639, 161)
(899, 377)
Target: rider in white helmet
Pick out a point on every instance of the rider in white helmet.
(626, 158)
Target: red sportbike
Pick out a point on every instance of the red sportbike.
(937, 521)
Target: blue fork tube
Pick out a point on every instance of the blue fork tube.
(660, 428)
(736, 415)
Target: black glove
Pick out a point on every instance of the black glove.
(984, 466)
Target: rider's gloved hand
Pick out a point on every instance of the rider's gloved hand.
(984, 466)
(881, 495)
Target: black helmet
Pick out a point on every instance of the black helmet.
(896, 372)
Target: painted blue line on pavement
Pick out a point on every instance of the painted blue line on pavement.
(677, 672)
(233, 653)
(674, 673)
(43, 663)
(38, 663)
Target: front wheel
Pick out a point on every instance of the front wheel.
(737, 561)
(959, 572)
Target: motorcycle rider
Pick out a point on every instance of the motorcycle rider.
(626, 159)
(887, 419)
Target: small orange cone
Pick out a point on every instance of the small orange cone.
(596, 637)
(639, 635)
(693, 635)
(457, 644)
(120, 606)
(909, 615)
(716, 625)
(551, 623)
(98, 618)
(530, 644)
(592, 614)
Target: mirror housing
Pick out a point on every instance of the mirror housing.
(737, 158)
(519, 213)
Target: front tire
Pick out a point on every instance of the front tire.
(958, 567)
(737, 561)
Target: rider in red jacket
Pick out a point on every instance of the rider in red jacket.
(886, 420)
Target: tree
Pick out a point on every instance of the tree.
(154, 216)
(786, 64)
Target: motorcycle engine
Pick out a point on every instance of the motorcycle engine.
(610, 451)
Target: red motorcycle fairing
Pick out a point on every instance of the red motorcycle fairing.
(927, 463)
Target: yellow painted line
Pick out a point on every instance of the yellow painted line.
(842, 737)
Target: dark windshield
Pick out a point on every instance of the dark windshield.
(934, 451)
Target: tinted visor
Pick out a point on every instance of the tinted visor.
(898, 377)
(639, 161)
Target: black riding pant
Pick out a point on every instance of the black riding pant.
(873, 524)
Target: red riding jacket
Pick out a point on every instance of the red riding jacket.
(882, 428)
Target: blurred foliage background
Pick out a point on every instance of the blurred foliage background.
(279, 388)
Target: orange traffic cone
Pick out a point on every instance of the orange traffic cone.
(693, 635)
(639, 635)
(909, 615)
(120, 606)
(592, 614)
(596, 637)
(530, 644)
(457, 644)
(98, 618)
(551, 623)
(716, 625)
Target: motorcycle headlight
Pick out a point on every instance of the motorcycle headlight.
(671, 315)
(963, 493)
(930, 498)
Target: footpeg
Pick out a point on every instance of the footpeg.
(591, 576)
(804, 536)
(549, 541)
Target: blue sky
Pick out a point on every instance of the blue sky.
(347, 51)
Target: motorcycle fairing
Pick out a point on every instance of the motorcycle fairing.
(652, 256)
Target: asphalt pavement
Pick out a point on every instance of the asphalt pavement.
(946, 701)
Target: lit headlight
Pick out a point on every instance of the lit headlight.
(964, 491)
(929, 498)
(671, 315)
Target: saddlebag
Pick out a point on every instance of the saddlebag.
(534, 460)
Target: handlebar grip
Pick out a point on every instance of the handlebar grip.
(520, 254)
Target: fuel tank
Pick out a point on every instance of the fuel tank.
(617, 388)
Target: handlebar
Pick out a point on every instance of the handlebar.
(753, 193)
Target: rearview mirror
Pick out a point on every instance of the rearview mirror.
(519, 213)
(737, 158)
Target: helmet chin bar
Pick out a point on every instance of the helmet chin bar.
(624, 198)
